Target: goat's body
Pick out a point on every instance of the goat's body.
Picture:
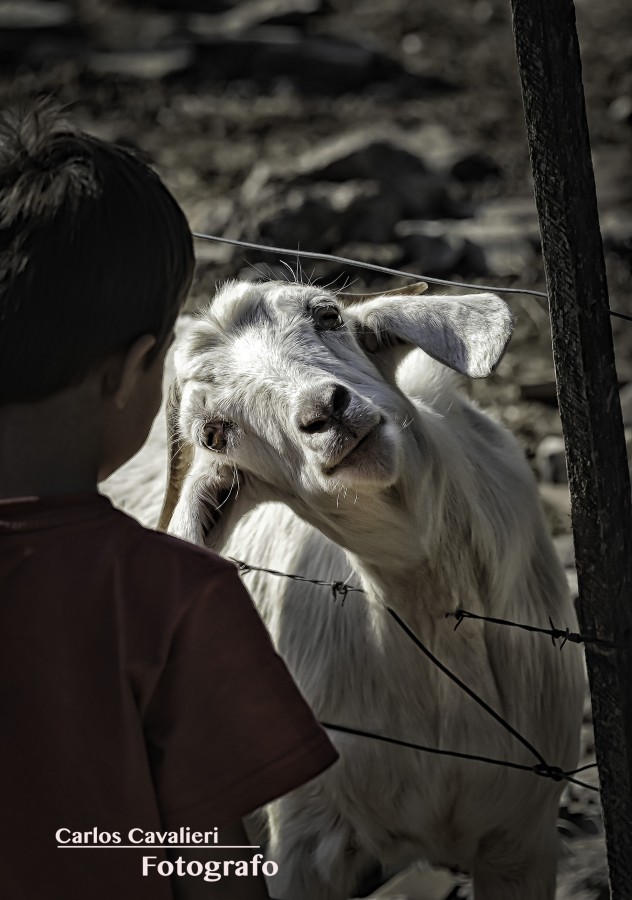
(384, 476)
(357, 668)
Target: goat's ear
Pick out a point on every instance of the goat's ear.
(204, 495)
(180, 456)
(468, 333)
(408, 290)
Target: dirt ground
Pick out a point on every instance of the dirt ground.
(298, 122)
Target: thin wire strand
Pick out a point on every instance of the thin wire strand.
(385, 270)
(554, 633)
(582, 768)
(464, 687)
(620, 315)
(565, 776)
(338, 587)
(542, 768)
(439, 752)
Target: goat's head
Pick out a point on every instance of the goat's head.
(282, 393)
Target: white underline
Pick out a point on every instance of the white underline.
(159, 846)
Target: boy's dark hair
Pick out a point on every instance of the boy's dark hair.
(94, 252)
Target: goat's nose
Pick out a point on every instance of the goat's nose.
(319, 406)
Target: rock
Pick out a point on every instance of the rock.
(318, 63)
(302, 218)
(201, 6)
(211, 216)
(620, 110)
(473, 167)
(270, 52)
(34, 14)
(145, 64)
(584, 876)
(370, 212)
(363, 154)
(209, 254)
(540, 391)
(612, 177)
(489, 246)
(323, 215)
(245, 16)
(386, 159)
(550, 460)
(35, 32)
(359, 154)
(517, 214)
(439, 253)
(452, 156)
(483, 12)
(506, 245)
(616, 231)
(435, 144)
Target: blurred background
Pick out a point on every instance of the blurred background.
(388, 131)
(384, 130)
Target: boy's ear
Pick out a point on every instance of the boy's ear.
(468, 333)
(121, 372)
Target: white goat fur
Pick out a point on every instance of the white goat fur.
(437, 510)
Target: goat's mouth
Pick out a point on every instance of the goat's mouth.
(357, 450)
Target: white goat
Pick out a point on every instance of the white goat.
(381, 474)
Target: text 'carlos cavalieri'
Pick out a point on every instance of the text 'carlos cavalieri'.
(175, 866)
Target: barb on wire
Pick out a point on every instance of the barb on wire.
(542, 767)
(563, 634)
(338, 588)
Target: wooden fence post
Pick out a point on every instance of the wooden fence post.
(547, 48)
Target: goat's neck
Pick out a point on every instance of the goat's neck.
(413, 543)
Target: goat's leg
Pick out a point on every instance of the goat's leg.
(512, 868)
(315, 851)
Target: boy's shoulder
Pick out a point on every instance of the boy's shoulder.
(172, 547)
(161, 559)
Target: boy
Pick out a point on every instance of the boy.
(139, 691)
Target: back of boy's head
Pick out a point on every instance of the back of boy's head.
(94, 252)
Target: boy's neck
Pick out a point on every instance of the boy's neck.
(51, 446)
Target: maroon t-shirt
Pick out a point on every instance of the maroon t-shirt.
(138, 689)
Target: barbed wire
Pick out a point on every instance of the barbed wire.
(541, 768)
(384, 270)
(620, 315)
(554, 633)
(339, 588)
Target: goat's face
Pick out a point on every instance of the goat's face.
(283, 386)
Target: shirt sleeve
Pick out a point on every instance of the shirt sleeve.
(227, 729)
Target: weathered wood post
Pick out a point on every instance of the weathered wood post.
(547, 48)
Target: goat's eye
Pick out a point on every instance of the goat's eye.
(214, 435)
(327, 318)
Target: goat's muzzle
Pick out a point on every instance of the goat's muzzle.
(319, 407)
